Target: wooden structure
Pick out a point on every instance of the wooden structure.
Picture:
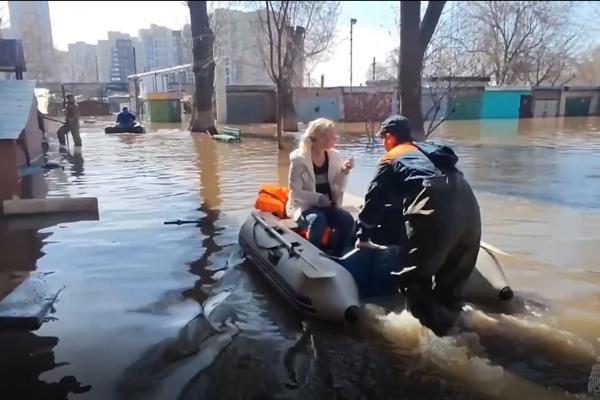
(20, 135)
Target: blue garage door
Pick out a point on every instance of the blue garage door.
(326, 107)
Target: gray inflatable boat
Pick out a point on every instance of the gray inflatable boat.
(319, 287)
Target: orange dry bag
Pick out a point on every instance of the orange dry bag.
(272, 198)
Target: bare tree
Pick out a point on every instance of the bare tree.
(383, 72)
(551, 63)
(203, 66)
(522, 42)
(588, 68)
(415, 36)
(294, 31)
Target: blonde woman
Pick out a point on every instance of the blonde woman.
(317, 180)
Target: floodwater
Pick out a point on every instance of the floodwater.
(155, 311)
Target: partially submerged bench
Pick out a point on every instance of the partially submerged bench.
(229, 134)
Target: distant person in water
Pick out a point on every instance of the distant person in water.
(125, 119)
(71, 123)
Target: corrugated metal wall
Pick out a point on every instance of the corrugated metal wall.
(309, 108)
(577, 106)
(428, 105)
(465, 107)
(361, 106)
(502, 104)
(250, 107)
(545, 108)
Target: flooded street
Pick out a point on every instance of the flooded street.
(154, 311)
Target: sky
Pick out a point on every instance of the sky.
(89, 22)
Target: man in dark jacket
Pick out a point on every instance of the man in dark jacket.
(420, 202)
(71, 123)
(125, 119)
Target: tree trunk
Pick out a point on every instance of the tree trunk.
(203, 66)
(294, 42)
(414, 39)
(411, 66)
(290, 119)
(279, 114)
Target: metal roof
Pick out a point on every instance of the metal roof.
(16, 100)
(161, 71)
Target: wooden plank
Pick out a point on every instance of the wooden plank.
(36, 222)
(50, 205)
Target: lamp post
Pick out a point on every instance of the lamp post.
(352, 22)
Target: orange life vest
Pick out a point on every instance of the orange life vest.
(272, 198)
(399, 150)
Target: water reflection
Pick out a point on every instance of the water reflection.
(20, 251)
(25, 356)
(75, 160)
(208, 170)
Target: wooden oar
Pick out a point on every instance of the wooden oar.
(52, 119)
(314, 271)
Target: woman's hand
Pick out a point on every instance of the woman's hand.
(348, 165)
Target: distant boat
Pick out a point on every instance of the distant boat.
(137, 128)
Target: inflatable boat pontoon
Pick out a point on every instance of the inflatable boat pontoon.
(319, 287)
(137, 128)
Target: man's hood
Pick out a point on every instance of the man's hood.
(441, 156)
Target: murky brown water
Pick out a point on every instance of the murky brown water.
(153, 311)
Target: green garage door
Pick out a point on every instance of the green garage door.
(465, 107)
(577, 106)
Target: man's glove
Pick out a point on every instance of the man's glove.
(367, 244)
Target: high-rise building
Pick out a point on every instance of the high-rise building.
(241, 47)
(159, 47)
(179, 47)
(117, 57)
(62, 67)
(30, 22)
(82, 62)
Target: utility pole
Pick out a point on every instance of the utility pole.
(352, 22)
(373, 68)
(97, 74)
(134, 62)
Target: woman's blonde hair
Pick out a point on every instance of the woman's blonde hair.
(314, 129)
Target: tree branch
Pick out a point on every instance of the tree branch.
(274, 74)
